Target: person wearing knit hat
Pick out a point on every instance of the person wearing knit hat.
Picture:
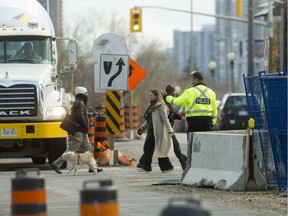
(80, 138)
(170, 90)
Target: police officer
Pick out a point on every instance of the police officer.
(200, 104)
(200, 108)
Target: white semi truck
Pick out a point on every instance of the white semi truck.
(32, 99)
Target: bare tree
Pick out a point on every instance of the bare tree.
(158, 64)
(151, 55)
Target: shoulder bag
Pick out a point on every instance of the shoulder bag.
(69, 124)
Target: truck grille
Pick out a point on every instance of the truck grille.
(18, 101)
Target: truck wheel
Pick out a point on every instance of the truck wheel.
(38, 160)
(56, 149)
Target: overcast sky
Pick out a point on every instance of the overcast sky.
(157, 23)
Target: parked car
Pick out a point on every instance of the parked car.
(218, 103)
(232, 112)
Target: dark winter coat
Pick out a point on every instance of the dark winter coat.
(172, 115)
(79, 112)
(161, 128)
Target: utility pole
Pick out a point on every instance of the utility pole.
(250, 37)
(270, 17)
(191, 41)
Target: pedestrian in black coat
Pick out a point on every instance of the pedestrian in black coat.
(172, 115)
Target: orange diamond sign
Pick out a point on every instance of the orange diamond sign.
(136, 74)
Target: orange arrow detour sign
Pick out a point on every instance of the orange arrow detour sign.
(136, 74)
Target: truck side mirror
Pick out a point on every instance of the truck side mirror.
(73, 54)
(54, 77)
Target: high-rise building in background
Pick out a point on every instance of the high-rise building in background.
(232, 36)
(213, 43)
(203, 46)
(55, 11)
(181, 46)
(204, 49)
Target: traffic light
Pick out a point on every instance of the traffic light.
(238, 7)
(136, 20)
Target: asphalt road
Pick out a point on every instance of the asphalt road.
(63, 191)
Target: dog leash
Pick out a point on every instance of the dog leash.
(78, 158)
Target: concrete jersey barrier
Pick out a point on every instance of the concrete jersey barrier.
(220, 160)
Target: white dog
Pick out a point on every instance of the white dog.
(77, 159)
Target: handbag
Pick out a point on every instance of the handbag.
(69, 124)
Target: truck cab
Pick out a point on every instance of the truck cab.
(32, 99)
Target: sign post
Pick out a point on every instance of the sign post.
(111, 74)
(136, 74)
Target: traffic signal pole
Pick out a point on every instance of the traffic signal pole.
(250, 22)
(205, 14)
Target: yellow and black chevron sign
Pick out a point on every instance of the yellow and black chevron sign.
(113, 107)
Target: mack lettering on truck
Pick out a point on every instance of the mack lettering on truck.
(15, 113)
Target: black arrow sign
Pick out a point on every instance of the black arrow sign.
(120, 63)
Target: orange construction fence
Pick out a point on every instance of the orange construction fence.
(99, 132)
(127, 116)
(101, 109)
(91, 128)
(135, 116)
(122, 134)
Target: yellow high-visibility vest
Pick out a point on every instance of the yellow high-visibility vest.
(198, 101)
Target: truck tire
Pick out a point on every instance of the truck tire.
(38, 160)
(56, 149)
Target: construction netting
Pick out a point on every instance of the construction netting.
(268, 107)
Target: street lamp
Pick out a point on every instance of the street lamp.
(212, 66)
(231, 57)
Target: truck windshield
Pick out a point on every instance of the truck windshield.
(36, 50)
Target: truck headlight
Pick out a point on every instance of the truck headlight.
(56, 111)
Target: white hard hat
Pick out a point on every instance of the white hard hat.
(81, 90)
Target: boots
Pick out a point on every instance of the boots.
(55, 168)
(183, 162)
(183, 165)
